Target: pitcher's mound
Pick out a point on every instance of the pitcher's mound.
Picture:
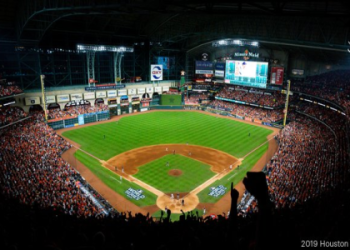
(175, 172)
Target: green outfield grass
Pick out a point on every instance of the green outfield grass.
(156, 174)
(106, 140)
(168, 127)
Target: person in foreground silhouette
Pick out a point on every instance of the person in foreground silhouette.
(255, 183)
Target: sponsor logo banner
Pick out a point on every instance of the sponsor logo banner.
(76, 97)
(204, 67)
(62, 98)
(89, 95)
(156, 72)
(141, 90)
(101, 94)
(50, 99)
(32, 100)
(158, 89)
(121, 92)
(277, 75)
(94, 88)
(149, 90)
(131, 91)
(112, 93)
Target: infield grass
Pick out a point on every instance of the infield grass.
(156, 174)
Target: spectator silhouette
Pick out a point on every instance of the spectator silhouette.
(255, 183)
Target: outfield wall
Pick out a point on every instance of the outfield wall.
(79, 120)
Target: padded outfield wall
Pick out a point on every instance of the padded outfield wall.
(171, 100)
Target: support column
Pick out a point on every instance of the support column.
(90, 63)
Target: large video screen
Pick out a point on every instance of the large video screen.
(250, 74)
(166, 61)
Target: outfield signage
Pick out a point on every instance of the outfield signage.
(101, 94)
(76, 97)
(141, 90)
(32, 100)
(112, 93)
(204, 67)
(131, 91)
(156, 72)
(217, 191)
(81, 119)
(89, 95)
(220, 70)
(228, 100)
(135, 194)
(62, 98)
(121, 92)
(277, 75)
(166, 88)
(94, 88)
(149, 90)
(158, 89)
(50, 99)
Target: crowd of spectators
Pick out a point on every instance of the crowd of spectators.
(251, 95)
(193, 99)
(9, 90)
(333, 86)
(11, 114)
(34, 173)
(256, 113)
(305, 164)
(74, 111)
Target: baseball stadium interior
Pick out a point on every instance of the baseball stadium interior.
(77, 64)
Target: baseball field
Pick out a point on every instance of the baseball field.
(178, 160)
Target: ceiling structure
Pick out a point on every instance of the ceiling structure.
(321, 29)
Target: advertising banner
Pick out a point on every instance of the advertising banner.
(141, 91)
(277, 75)
(81, 119)
(76, 97)
(158, 89)
(220, 70)
(112, 93)
(101, 94)
(156, 72)
(121, 92)
(50, 99)
(149, 90)
(204, 67)
(62, 98)
(89, 95)
(165, 88)
(131, 91)
(32, 100)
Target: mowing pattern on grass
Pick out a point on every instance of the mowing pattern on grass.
(113, 181)
(165, 128)
(156, 174)
(235, 176)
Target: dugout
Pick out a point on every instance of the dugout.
(146, 100)
(124, 104)
(155, 99)
(135, 104)
(113, 106)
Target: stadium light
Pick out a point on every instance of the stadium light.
(237, 42)
(82, 48)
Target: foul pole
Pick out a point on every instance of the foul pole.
(43, 95)
(286, 104)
